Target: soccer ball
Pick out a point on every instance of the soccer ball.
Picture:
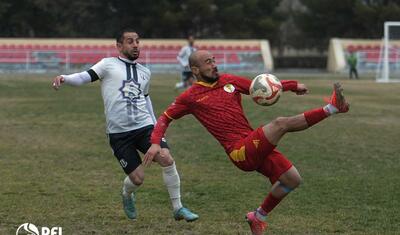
(265, 89)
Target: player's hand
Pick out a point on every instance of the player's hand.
(151, 153)
(57, 81)
(301, 89)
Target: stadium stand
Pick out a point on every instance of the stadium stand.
(369, 53)
(159, 55)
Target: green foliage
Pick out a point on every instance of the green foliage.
(298, 24)
(325, 19)
(163, 19)
(249, 19)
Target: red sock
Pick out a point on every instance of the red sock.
(270, 202)
(314, 116)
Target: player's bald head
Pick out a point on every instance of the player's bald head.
(196, 57)
(202, 64)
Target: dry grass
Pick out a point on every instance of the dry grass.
(56, 168)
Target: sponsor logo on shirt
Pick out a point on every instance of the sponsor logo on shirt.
(256, 142)
(202, 98)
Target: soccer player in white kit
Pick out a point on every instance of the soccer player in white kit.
(183, 59)
(130, 120)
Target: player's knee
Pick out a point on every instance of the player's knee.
(291, 180)
(292, 184)
(295, 181)
(167, 161)
(280, 124)
(137, 178)
(165, 158)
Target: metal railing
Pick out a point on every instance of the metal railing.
(163, 61)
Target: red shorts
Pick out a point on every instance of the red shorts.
(256, 153)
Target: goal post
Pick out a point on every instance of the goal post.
(388, 69)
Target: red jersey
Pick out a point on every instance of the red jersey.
(217, 106)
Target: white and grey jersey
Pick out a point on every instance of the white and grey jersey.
(183, 56)
(124, 86)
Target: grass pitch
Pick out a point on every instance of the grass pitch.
(56, 168)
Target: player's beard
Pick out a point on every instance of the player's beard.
(132, 55)
(211, 79)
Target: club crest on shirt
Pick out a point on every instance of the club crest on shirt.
(130, 89)
(229, 88)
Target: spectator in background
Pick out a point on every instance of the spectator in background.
(183, 59)
(352, 62)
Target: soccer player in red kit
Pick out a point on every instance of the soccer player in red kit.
(215, 101)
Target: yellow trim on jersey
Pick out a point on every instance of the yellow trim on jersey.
(238, 155)
(166, 114)
(206, 84)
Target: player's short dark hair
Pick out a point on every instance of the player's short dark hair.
(119, 37)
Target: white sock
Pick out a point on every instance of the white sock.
(173, 183)
(330, 109)
(128, 187)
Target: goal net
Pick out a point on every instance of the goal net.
(388, 69)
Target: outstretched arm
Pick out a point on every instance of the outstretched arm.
(294, 86)
(75, 79)
(96, 72)
(175, 111)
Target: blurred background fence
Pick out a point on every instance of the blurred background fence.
(158, 57)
